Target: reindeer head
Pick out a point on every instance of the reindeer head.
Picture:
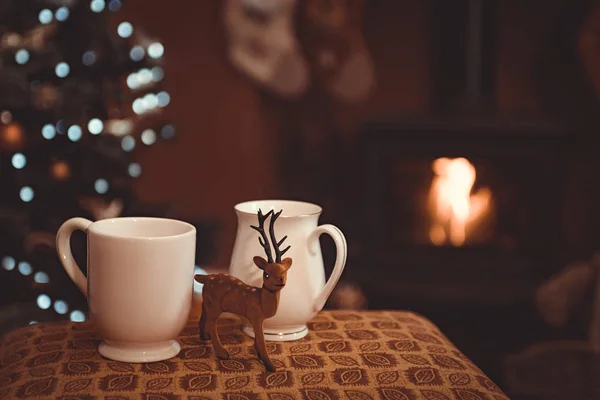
(274, 271)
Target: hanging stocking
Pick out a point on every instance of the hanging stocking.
(262, 44)
(337, 49)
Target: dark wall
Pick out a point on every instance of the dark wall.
(231, 132)
(235, 140)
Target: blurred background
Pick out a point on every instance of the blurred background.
(453, 142)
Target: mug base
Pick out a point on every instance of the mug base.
(284, 335)
(135, 353)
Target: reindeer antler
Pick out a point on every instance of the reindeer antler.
(264, 242)
(276, 244)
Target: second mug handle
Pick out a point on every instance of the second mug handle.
(340, 260)
(63, 248)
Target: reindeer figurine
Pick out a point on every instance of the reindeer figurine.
(225, 293)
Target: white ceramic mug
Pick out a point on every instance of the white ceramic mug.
(139, 285)
(305, 291)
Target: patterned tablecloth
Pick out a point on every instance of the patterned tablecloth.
(347, 355)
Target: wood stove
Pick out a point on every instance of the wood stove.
(472, 272)
(461, 209)
(517, 173)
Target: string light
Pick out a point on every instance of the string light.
(48, 131)
(19, 161)
(61, 170)
(144, 76)
(8, 263)
(74, 133)
(101, 186)
(163, 99)
(148, 137)
(119, 127)
(199, 271)
(151, 101)
(114, 5)
(135, 170)
(62, 69)
(95, 126)
(5, 117)
(97, 5)
(62, 14)
(156, 50)
(61, 307)
(138, 106)
(22, 56)
(125, 29)
(12, 135)
(61, 127)
(45, 16)
(88, 58)
(167, 132)
(128, 143)
(137, 53)
(43, 301)
(132, 81)
(25, 268)
(41, 277)
(26, 194)
(157, 74)
(77, 316)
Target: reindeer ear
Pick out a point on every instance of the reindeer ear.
(260, 262)
(287, 263)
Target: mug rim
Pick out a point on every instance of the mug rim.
(318, 208)
(94, 228)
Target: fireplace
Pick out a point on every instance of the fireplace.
(455, 201)
(461, 211)
(461, 219)
(454, 211)
(463, 192)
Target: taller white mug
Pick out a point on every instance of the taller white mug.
(139, 285)
(306, 291)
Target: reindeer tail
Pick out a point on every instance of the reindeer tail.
(201, 278)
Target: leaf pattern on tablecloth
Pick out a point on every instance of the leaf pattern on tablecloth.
(198, 366)
(397, 393)
(312, 378)
(159, 383)
(300, 348)
(118, 383)
(415, 359)
(344, 360)
(77, 385)
(388, 377)
(388, 355)
(237, 382)
(37, 388)
(160, 367)
(40, 372)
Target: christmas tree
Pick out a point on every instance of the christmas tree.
(79, 90)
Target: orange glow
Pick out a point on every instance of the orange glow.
(454, 208)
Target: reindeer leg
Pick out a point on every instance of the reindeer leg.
(216, 342)
(204, 335)
(260, 346)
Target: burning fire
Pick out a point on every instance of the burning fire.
(455, 210)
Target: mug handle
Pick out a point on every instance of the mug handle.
(340, 260)
(63, 248)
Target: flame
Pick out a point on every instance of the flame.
(454, 207)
